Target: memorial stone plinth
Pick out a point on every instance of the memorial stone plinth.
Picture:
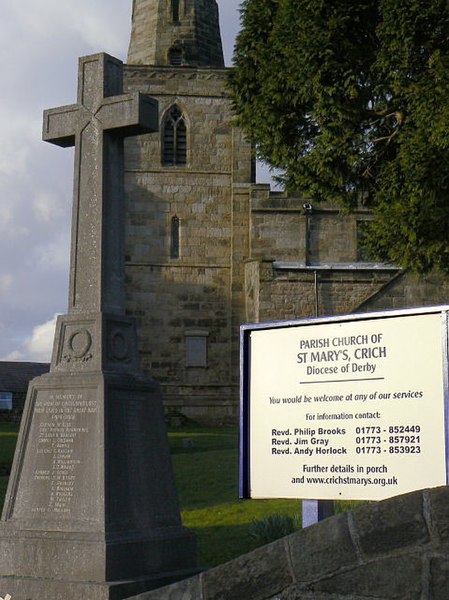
(91, 508)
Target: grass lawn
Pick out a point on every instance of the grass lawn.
(205, 463)
(8, 439)
(207, 482)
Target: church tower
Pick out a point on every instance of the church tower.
(175, 32)
(187, 189)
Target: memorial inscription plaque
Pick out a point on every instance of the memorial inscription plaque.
(61, 488)
(91, 508)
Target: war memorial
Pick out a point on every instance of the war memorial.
(91, 508)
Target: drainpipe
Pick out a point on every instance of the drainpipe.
(308, 210)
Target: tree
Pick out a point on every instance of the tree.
(350, 99)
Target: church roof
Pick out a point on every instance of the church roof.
(15, 376)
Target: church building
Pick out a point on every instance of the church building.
(208, 248)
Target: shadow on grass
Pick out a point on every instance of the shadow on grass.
(220, 544)
(194, 442)
(205, 463)
(3, 486)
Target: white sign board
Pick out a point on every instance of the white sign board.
(344, 408)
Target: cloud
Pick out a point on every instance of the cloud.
(14, 153)
(38, 347)
(93, 24)
(14, 356)
(6, 281)
(48, 206)
(54, 255)
(36, 179)
(5, 213)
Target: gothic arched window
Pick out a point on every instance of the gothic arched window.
(175, 56)
(174, 139)
(175, 11)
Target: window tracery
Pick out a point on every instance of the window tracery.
(174, 142)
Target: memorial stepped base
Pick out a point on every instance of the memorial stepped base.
(82, 517)
(45, 589)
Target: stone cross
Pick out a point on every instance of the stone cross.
(91, 478)
(97, 126)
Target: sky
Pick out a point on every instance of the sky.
(40, 42)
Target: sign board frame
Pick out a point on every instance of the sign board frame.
(248, 353)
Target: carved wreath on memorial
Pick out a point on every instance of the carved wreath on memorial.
(79, 345)
(119, 346)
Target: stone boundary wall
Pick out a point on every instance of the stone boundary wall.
(397, 549)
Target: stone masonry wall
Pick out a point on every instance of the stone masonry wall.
(283, 230)
(333, 237)
(196, 33)
(409, 291)
(252, 291)
(298, 293)
(397, 549)
(279, 234)
(200, 291)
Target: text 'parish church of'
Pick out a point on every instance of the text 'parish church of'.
(207, 247)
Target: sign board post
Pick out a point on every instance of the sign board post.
(316, 510)
(351, 407)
